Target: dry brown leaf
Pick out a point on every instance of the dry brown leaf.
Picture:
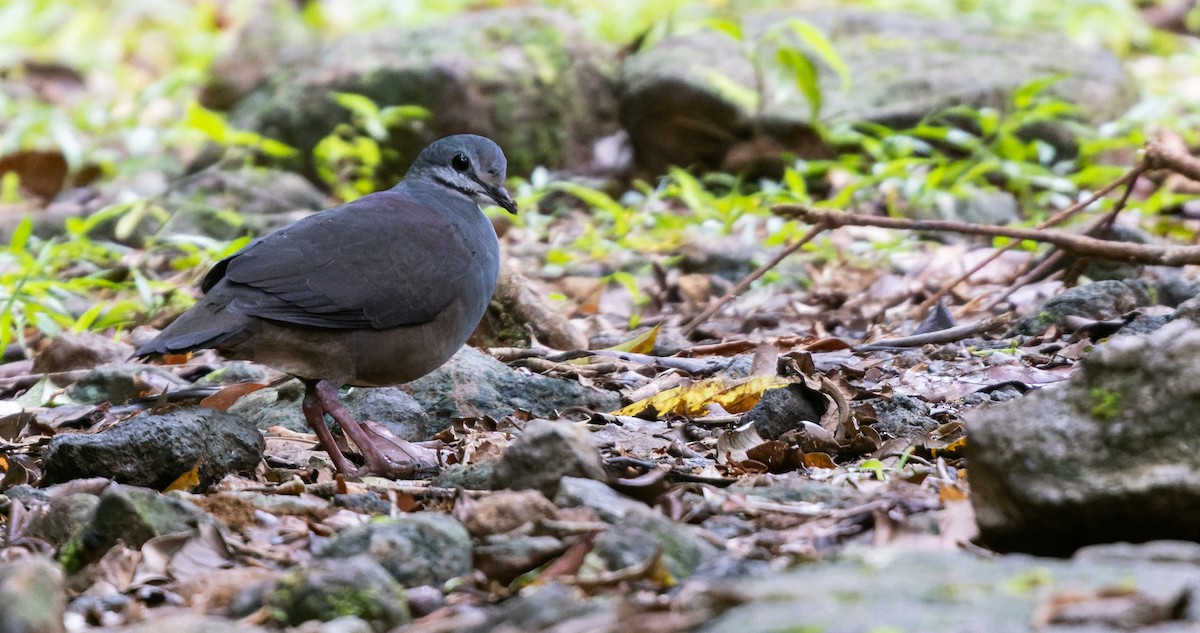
(223, 399)
(819, 460)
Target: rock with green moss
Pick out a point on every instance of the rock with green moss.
(331, 589)
(424, 548)
(696, 99)
(1113, 454)
(1097, 301)
(130, 515)
(526, 77)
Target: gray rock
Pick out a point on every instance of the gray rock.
(955, 591)
(1111, 455)
(543, 454)
(550, 607)
(505, 558)
(64, 518)
(263, 42)
(424, 548)
(473, 384)
(355, 586)
(473, 476)
(691, 99)
(364, 503)
(1101, 300)
(131, 515)
(346, 624)
(153, 450)
(33, 596)
(527, 78)
(506, 510)
(393, 408)
(902, 416)
(781, 410)
(683, 549)
(390, 406)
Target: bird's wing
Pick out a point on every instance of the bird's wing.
(379, 262)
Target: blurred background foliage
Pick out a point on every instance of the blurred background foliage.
(129, 72)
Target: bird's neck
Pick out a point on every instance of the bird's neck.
(436, 196)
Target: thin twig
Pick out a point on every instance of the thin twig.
(752, 277)
(948, 335)
(1129, 177)
(1163, 255)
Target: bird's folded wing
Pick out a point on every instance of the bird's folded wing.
(379, 262)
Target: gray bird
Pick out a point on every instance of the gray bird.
(376, 292)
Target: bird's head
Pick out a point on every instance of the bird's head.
(470, 164)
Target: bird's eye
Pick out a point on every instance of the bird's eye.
(460, 163)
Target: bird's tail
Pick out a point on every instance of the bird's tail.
(205, 326)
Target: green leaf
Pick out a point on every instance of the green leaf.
(804, 74)
(357, 104)
(816, 40)
(875, 466)
(732, 28)
(21, 234)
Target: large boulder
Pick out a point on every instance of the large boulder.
(1112, 455)
(694, 100)
(526, 77)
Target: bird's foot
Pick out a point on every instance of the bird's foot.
(383, 453)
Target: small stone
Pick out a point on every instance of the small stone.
(543, 454)
(506, 510)
(33, 596)
(364, 503)
(424, 548)
(331, 589)
(508, 557)
(781, 410)
(683, 549)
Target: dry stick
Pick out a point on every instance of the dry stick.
(948, 335)
(1163, 255)
(745, 283)
(1051, 262)
(1053, 220)
(1158, 156)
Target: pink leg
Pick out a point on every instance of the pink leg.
(314, 412)
(376, 462)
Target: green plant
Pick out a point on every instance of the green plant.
(348, 159)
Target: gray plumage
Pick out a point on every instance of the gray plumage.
(375, 292)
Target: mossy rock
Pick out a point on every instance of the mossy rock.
(527, 78)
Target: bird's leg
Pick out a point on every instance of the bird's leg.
(376, 461)
(314, 412)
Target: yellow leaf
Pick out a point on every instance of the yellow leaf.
(692, 400)
(641, 344)
(953, 449)
(187, 481)
(819, 460)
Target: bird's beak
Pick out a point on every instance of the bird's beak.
(500, 195)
